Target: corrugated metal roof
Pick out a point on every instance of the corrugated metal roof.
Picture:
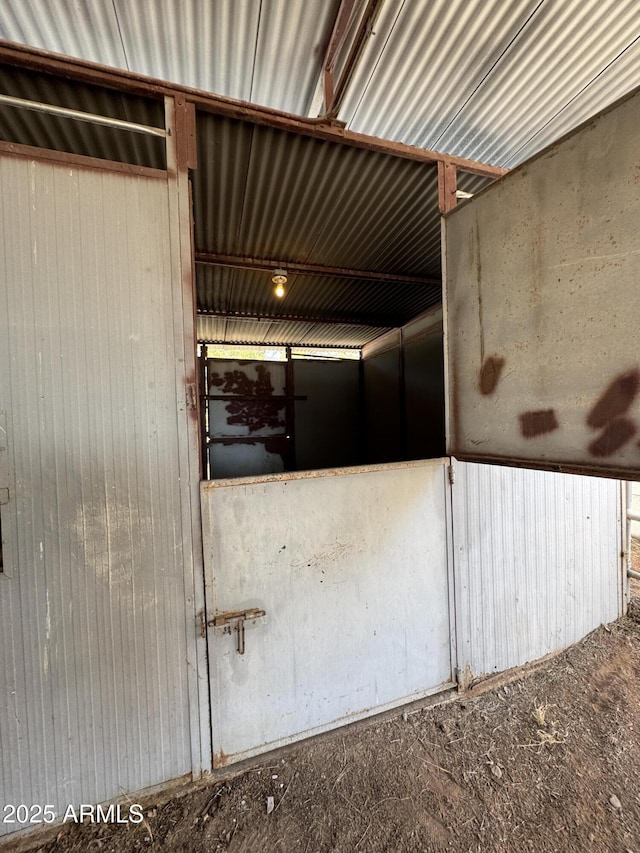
(378, 303)
(486, 80)
(283, 333)
(264, 51)
(272, 194)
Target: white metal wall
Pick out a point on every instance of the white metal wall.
(94, 640)
(537, 562)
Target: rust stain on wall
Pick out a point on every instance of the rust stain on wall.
(490, 374)
(533, 424)
(254, 414)
(221, 759)
(616, 400)
(617, 433)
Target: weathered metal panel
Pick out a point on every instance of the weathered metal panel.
(537, 563)
(253, 425)
(93, 679)
(540, 369)
(356, 595)
(246, 417)
(635, 508)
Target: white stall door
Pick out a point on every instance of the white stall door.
(351, 570)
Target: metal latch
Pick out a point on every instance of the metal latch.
(233, 620)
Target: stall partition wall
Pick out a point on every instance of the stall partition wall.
(345, 581)
(537, 562)
(404, 392)
(98, 588)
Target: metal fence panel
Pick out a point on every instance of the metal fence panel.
(537, 563)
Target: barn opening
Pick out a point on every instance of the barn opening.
(357, 235)
(283, 408)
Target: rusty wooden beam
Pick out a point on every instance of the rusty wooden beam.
(138, 84)
(447, 187)
(365, 28)
(336, 41)
(294, 268)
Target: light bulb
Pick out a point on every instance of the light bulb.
(278, 290)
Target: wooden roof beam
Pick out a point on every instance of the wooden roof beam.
(102, 75)
(293, 268)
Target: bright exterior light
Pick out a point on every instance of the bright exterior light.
(278, 290)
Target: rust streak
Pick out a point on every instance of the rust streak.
(615, 436)
(490, 374)
(535, 423)
(616, 400)
(221, 759)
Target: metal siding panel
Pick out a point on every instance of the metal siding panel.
(566, 225)
(96, 607)
(536, 562)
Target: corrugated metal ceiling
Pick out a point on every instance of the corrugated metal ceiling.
(284, 333)
(490, 80)
(486, 79)
(264, 51)
(280, 195)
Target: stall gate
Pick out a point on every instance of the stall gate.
(329, 597)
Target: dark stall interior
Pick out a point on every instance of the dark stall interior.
(262, 417)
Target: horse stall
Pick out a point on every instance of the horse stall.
(204, 560)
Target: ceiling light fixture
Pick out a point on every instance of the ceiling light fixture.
(279, 278)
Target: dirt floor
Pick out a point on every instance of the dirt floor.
(549, 761)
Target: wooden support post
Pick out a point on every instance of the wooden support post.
(447, 187)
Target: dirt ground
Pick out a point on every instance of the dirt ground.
(549, 761)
